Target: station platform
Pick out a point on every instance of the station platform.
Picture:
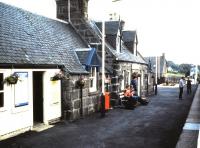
(189, 137)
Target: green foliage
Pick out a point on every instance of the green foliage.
(185, 68)
(182, 68)
(172, 74)
(12, 79)
(173, 65)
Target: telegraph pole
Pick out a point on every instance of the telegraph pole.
(156, 71)
(103, 69)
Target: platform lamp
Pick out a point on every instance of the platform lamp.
(103, 65)
(156, 79)
(103, 69)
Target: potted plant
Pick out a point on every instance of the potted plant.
(12, 79)
(58, 76)
(138, 75)
(80, 82)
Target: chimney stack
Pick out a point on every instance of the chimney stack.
(72, 9)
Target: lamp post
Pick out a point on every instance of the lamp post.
(156, 71)
(103, 69)
(103, 64)
(103, 56)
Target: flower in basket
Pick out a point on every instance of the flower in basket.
(138, 75)
(80, 82)
(12, 79)
(58, 76)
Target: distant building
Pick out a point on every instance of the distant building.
(161, 66)
(126, 61)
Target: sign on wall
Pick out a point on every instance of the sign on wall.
(21, 89)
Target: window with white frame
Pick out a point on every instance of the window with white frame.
(1, 91)
(142, 77)
(129, 77)
(93, 79)
(123, 81)
(21, 99)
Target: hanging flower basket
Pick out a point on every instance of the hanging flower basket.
(80, 82)
(58, 76)
(12, 79)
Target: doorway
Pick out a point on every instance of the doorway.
(38, 97)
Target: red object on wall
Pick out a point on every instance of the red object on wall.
(107, 100)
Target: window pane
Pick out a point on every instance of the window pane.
(91, 83)
(1, 81)
(93, 71)
(1, 100)
(21, 99)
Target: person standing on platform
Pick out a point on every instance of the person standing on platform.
(134, 83)
(189, 86)
(181, 85)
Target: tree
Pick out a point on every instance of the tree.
(173, 65)
(185, 68)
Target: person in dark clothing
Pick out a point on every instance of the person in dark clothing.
(138, 98)
(189, 85)
(134, 83)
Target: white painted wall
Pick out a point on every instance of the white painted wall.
(15, 118)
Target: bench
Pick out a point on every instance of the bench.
(127, 102)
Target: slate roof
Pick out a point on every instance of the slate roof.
(128, 36)
(125, 55)
(88, 57)
(30, 39)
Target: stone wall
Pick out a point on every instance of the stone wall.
(73, 105)
(78, 18)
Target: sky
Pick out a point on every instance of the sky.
(163, 26)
